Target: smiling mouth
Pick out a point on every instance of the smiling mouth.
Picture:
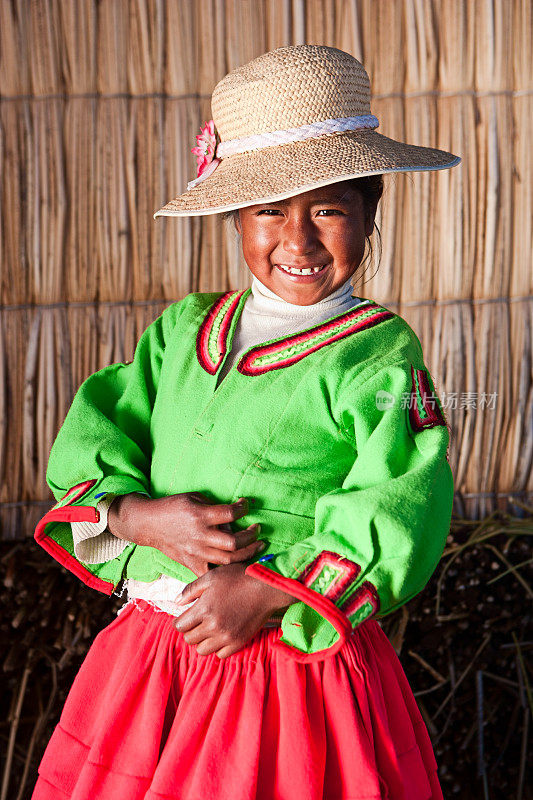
(302, 271)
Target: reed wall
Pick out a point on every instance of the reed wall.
(99, 106)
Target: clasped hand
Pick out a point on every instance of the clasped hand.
(230, 606)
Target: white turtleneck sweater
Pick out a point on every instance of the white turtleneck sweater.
(265, 316)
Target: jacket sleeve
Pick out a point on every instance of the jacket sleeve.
(104, 448)
(379, 537)
(93, 542)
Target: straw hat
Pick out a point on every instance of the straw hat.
(289, 121)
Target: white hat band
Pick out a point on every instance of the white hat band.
(262, 140)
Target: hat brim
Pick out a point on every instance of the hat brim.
(275, 173)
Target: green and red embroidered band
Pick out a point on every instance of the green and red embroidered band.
(320, 585)
(283, 353)
(424, 406)
(322, 605)
(363, 603)
(212, 336)
(329, 574)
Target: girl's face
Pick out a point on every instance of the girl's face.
(322, 230)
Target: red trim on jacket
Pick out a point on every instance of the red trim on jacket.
(70, 513)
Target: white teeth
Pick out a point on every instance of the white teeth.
(294, 271)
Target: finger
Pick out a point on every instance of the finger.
(193, 590)
(218, 540)
(226, 512)
(248, 552)
(208, 646)
(225, 557)
(228, 650)
(196, 635)
(247, 536)
(190, 619)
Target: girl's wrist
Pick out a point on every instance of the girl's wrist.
(125, 517)
(275, 600)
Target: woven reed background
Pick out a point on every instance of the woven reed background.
(99, 106)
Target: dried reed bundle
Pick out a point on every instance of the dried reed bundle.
(116, 340)
(146, 46)
(298, 21)
(384, 54)
(278, 24)
(212, 63)
(183, 48)
(516, 466)
(16, 342)
(47, 200)
(181, 248)
(420, 211)
(491, 335)
(78, 43)
(83, 340)
(493, 69)
(421, 49)
(3, 409)
(113, 246)
(440, 328)
(237, 271)
(320, 22)
(494, 184)
(456, 199)
(244, 31)
(80, 255)
(113, 37)
(141, 316)
(40, 399)
(457, 35)
(521, 279)
(44, 47)
(14, 200)
(522, 45)
(14, 50)
(144, 184)
(348, 30)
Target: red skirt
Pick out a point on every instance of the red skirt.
(147, 717)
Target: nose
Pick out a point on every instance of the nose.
(299, 235)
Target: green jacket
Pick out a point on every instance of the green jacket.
(335, 431)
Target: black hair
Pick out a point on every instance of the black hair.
(371, 189)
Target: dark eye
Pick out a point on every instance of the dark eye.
(329, 211)
(268, 211)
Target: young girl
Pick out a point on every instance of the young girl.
(269, 478)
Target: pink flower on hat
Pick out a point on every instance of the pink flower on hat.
(205, 150)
